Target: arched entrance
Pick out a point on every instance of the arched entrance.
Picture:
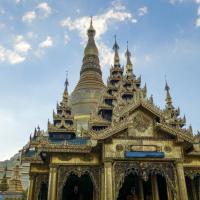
(130, 188)
(78, 188)
(43, 193)
(134, 187)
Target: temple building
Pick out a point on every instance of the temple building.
(111, 142)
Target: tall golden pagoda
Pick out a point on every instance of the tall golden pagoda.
(111, 142)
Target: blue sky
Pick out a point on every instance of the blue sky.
(41, 40)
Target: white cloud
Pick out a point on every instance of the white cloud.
(2, 12)
(175, 1)
(29, 16)
(2, 26)
(31, 35)
(116, 13)
(198, 14)
(12, 57)
(21, 45)
(198, 11)
(198, 22)
(147, 58)
(66, 39)
(78, 11)
(118, 5)
(45, 8)
(48, 42)
(106, 54)
(142, 11)
(101, 22)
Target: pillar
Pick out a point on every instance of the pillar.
(102, 184)
(30, 195)
(52, 189)
(141, 190)
(108, 181)
(154, 183)
(181, 181)
(169, 192)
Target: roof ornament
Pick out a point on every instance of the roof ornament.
(116, 55)
(66, 81)
(65, 93)
(168, 96)
(151, 99)
(129, 65)
(91, 31)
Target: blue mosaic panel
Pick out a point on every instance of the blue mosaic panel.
(144, 154)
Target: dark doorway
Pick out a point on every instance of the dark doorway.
(78, 188)
(162, 187)
(43, 192)
(130, 188)
(147, 188)
(193, 187)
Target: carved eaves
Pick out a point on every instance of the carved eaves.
(176, 132)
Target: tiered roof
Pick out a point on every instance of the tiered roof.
(63, 126)
(122, 95)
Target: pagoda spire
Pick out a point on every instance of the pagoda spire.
(65, 93)
(116, 54)
(168, 98)
(129, 65)
(91, 59)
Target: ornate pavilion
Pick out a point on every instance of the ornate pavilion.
(111, 142)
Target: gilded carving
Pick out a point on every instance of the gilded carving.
(65, 157)
(141, 122)
(167, 149)
(119, 147)
(87, 157)
(94, 172)
(144, 169)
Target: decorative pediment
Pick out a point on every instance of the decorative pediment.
(141, 122)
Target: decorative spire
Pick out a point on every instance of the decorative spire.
(91, 59)
(129, 65)
(65, 93)
(168, 96)
(151, 99)
(91, 48)
(116, 55)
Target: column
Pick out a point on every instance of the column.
(52, 192)
(102, 192)
(108, 181)
(154, 184)
(30, 195)
(181, 181)
(141, 191)
(169, 193)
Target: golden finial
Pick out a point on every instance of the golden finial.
(168, 96)
(116, 56)
(66, 81)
